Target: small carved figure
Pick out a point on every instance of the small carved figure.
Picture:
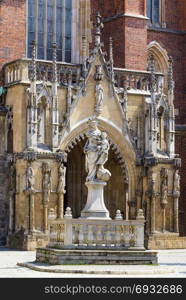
(99, 98)
(177, 181)
(30, 178)
(61, 181)
(46, 182)
(164, 186)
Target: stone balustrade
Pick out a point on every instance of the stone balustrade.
(137, 80)
(81, 232)
(21, 71)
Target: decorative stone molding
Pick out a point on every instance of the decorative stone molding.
(32, 156)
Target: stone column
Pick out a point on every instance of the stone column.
(140, 230)
(12, 191)
(60, 212)
(11, 212)
(176, 212)
(46, 193)
(61, 190)
(164, 194)
(45, 217)
(176, 195)
(68, 227)
(31, 213)
(30, 191)
(153, 221)
(127, 203)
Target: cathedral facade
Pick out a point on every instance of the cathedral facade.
(56, 78)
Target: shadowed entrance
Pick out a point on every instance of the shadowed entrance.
(76, 191)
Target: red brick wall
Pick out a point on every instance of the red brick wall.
(173, 13)
(129, 34)
(135, 7)
(12, 30)
(135, 43)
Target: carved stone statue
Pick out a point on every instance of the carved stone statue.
(61, 180)
(99, 98)
(177, 182)
(96, 151)
(46, 182)
(30, 179)
(164, 186)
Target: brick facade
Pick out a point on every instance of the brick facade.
(12, 30)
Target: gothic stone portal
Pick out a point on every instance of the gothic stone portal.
(76, 191)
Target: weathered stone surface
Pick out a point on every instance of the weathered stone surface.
(97, 256)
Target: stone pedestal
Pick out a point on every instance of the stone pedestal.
(95, 206)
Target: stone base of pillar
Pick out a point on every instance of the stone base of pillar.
(95, 207)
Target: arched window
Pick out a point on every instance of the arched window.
(156, 12)
(50, 21)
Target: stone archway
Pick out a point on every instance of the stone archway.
(76, 191)
(121, 145)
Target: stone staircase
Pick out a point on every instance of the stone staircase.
(3, 200)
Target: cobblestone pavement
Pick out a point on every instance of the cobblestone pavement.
(172, 260)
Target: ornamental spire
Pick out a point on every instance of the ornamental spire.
(54, 58)
(99, 26)
(170, 75)
(34, 72)
(151, 68)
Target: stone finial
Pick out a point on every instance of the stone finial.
(111, 50)
(118, 215)
(151, 68)
(170, 75)
(54, 58)
(68, 213)
(98, 26)
(140, 215)
(84, 47)
(34, 72)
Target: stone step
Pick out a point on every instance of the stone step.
(108, 256)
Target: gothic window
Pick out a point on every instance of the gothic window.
(156, 12)
(50, 21)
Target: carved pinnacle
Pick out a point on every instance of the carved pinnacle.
(33, 44)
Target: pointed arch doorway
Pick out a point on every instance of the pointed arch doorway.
(115, 192)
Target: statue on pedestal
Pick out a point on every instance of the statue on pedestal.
(96, 151)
